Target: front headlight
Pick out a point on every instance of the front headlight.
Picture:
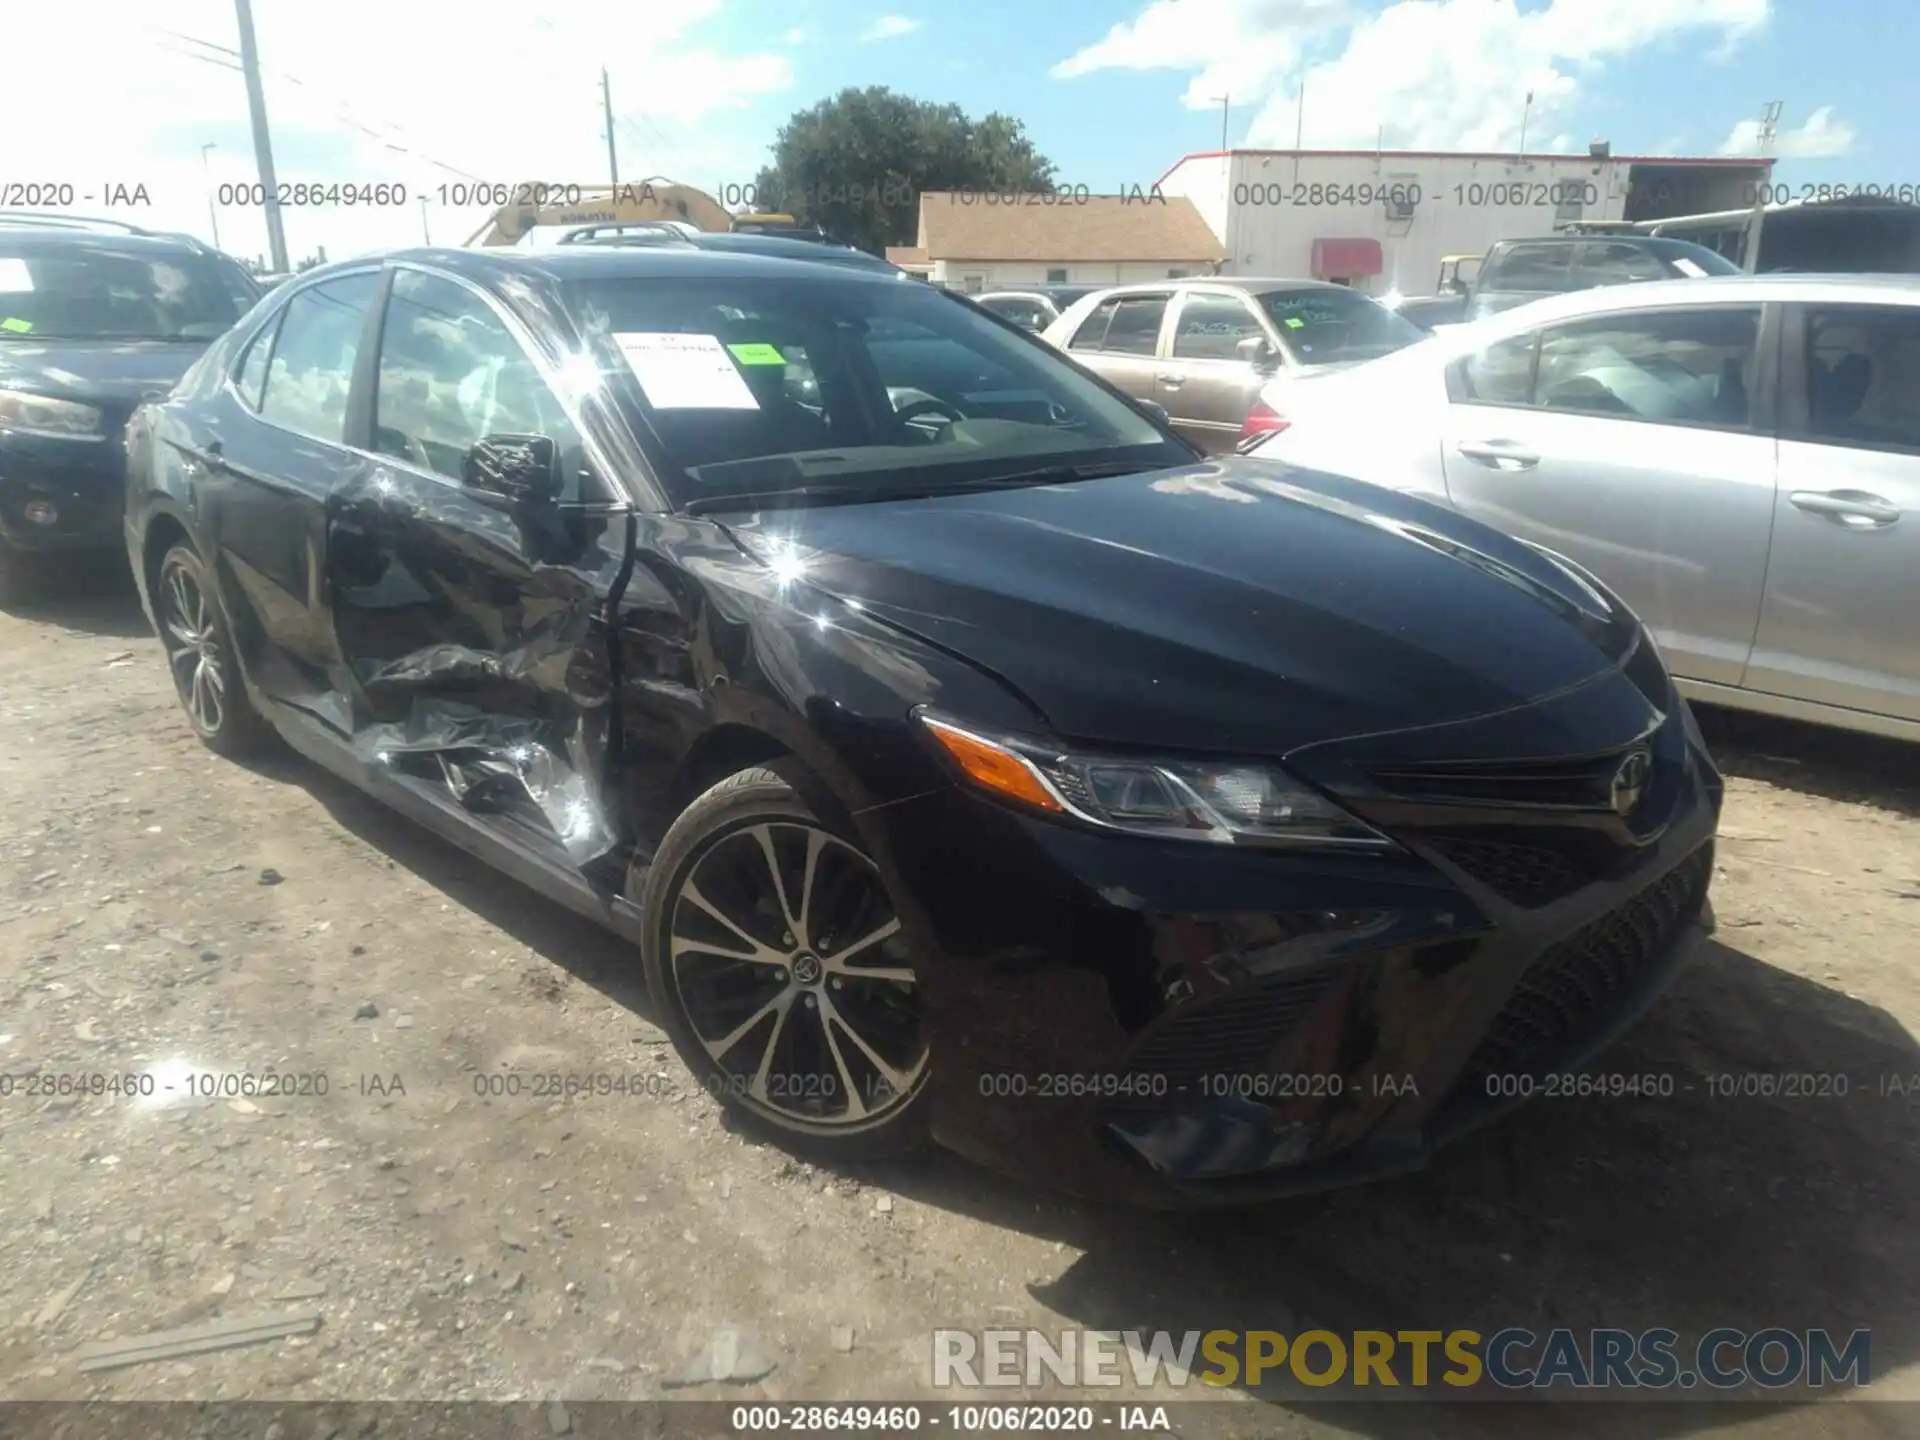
(26, 414)
(1226, 802)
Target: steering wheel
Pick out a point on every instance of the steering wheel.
(930, 406)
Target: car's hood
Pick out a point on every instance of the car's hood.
(123, 372)
(1233, 604)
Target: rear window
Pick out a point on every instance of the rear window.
(1331, 325)
(1545, 268)
(95, 289)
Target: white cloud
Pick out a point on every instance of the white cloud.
(795, 36)
(1821, 138)
(514, 99)
(1239, 47)
(890, 27)
(1424, 74)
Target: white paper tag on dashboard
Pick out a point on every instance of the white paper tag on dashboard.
(15, 278)
(684, 372)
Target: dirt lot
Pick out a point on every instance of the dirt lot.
(164, 911)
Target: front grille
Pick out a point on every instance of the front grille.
(1583, 784)
(1574, 989)
(1528, 875)
(1230, 1035)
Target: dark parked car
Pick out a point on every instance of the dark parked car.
(986, 764)
(94, 318)
(1516, 271)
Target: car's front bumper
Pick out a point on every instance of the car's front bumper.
(83, 481)
(1168, 1022)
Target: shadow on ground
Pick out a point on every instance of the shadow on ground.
(1698, 1210)
(1815, 759)
(87, 594)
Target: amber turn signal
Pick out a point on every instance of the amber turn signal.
(993, 767)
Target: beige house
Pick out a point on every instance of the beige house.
(976, 242)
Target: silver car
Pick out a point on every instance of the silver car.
(1739, 458)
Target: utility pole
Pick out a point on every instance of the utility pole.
(425, 233)
(262, 146)
(1226, 180)
(1769, 117)
(606, 102)
(1526, 114)
(213, 213)
(1299, 126)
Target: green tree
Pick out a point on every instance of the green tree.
(857, 164)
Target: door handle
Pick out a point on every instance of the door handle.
(1171, 382)
(1499, 454)
(1853, 509)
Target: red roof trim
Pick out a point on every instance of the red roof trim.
(1507, 155)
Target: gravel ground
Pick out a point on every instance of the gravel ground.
(163, 911)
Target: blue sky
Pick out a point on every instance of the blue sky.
(1113, 91)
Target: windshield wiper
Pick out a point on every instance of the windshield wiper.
(855, 494)
(770, 499)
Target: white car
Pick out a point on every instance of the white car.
(1738, 457)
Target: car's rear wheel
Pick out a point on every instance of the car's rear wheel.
(780, 968)
(200, 656)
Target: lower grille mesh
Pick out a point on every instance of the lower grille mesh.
(1231, 1035)
(1574, 989)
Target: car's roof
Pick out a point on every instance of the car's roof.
(1254, 284)
(494, 266)
(1719, 289)
(54, 237)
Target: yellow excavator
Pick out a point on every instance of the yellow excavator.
(533, 205)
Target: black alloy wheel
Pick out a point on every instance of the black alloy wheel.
(778, 962)
(200, 658)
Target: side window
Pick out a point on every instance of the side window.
(1501, 374)
(1534, 267)
(1613, 263)
(1684, 367)
(312, 365)
(252, 374)
(1863, 376)
(1056, 277)
(1136, 325)
(452, 374)
(1092, 333)
(241, 286)
(1211, 325)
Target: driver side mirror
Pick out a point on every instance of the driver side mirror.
(1258, 351)
(522, 468)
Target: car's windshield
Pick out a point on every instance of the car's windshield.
(1685, 256)
(759, 385)
(97, 291)
(1330, 325)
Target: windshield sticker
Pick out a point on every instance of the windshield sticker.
(1294, 322)
(15, 278)
(757, 354)
(18, 327)
(1687, 268)
(684, 372)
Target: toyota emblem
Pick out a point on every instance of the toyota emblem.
(1630, 782)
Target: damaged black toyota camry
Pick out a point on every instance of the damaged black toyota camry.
(964, 755)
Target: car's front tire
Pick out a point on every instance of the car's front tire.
(779, 966)
(200, 656)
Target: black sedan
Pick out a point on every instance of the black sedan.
(963, 754)
(95, 317)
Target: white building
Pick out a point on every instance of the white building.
(1383, 220)
(976, 242)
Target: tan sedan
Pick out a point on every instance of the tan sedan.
(1202, 349)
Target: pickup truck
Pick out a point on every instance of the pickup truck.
(1515, 271)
